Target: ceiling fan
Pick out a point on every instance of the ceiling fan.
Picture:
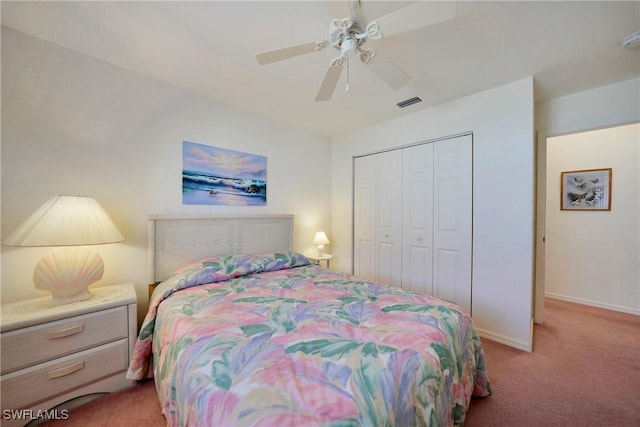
(349, 34)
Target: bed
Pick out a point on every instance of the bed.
(268, 338)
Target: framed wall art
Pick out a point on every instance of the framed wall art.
(217, 176)
(585, 190)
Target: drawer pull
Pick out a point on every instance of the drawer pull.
(65, 332)
(65, 370)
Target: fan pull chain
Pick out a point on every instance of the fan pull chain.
(347, 74)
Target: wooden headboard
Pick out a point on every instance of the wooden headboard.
(175, 240)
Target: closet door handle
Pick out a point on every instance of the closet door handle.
(65, 332)
(419, 239)
(65, 370)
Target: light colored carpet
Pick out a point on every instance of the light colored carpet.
(584, 371)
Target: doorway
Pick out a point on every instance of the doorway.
(591, 257)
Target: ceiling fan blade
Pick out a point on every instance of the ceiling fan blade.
(329, 83)
(285, 53)
(416, 15)
(388, 71)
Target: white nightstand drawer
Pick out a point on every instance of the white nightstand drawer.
(32, 385)
(28, 346)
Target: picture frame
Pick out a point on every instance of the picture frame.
(586, 190)
(219, 176)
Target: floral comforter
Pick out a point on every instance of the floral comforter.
(272, 340)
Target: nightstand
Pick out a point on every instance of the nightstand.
(318, 258)
(51, 355)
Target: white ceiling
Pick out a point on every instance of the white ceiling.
(209, 48)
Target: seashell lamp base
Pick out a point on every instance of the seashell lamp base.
(60, 300)
(67, 273)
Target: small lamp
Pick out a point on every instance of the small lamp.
(320, 239)
(67, 221)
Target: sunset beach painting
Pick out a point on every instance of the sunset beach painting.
(217, 176)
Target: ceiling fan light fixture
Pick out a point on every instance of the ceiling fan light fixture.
(349, 47)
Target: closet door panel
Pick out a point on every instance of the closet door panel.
(448, 263)
(389, 218)
(365, 266)
(416, 273)
(452, 220)
(417, 218)
(387, 266)
(364, 222)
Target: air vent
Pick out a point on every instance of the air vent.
(407, 102)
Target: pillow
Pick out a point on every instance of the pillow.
(224, 267)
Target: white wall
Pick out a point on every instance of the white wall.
(75, 125)
(501, 120)
(593, 257)
(609, 105)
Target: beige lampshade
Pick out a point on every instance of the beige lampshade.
(320, 238)
(66, 221)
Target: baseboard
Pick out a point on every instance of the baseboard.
(628, 310)
(525, 346)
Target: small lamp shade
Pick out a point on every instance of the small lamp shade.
(67, 221)
(320, 239)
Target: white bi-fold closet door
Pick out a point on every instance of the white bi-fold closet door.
(413, 216)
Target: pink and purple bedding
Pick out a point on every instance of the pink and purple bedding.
(274, 340)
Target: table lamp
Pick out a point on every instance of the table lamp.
(68, 221)
(320, 239)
